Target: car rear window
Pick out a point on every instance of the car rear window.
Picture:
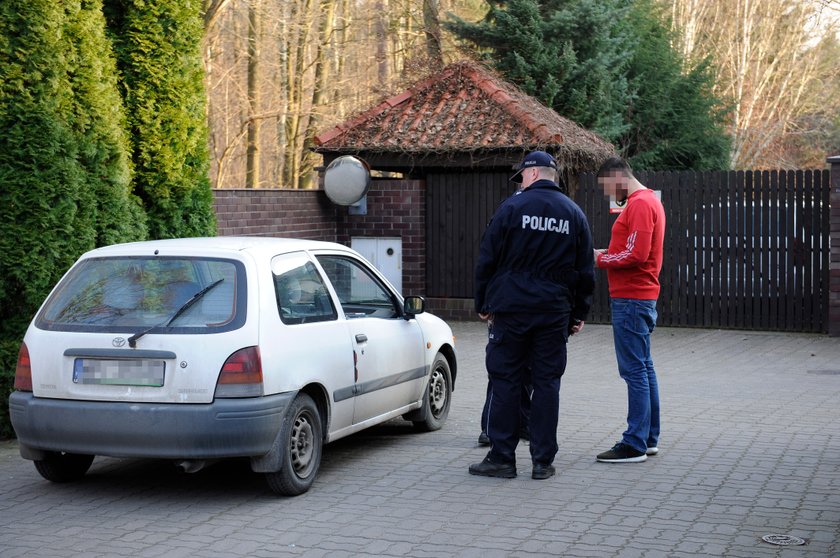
(182, 295)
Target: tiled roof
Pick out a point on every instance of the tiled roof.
(465, 107)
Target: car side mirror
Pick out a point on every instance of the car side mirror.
(413, 305)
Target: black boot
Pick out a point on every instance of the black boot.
(488, 468)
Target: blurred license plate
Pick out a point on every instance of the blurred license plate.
(147, 372)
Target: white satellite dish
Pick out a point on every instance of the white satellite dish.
(347, 180)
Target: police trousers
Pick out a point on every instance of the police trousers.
(516, 340)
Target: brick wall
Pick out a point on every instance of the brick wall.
(452, 309)
(834, 265)
(298, 213)
(395, 208)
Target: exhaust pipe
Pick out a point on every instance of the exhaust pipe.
(193, 465)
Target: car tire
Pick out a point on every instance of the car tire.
(438, 397)
(302, 436)
(63, 467)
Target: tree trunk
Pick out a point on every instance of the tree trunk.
(252, 173)
(381, 32)
(431, 28)
(296, 70)
(321, 71)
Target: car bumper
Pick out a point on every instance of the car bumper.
(225, 428)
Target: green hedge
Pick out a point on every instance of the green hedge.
(65, 174)
(104, 140)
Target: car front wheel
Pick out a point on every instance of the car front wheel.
(438, 397)
(303, 438)
(63, 467)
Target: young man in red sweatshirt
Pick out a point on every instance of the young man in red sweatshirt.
(633, 262)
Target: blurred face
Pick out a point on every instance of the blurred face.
(614, 185)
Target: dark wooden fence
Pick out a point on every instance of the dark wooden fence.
(744, 249)
(458, 208)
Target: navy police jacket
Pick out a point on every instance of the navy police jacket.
(536, 256)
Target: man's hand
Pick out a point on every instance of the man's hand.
(576, 327)
(597, 252)
(485, 316)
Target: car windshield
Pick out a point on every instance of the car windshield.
(135, 293)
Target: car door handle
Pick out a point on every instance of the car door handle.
(361, 338)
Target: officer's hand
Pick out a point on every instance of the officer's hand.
(484, 315)
(577, 327)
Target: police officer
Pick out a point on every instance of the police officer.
(534, 282)
(524, 401)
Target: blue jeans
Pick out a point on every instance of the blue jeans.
(633, 321)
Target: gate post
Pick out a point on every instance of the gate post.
(834, 265)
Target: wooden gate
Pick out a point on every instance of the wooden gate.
(743, 250)
(458, 208)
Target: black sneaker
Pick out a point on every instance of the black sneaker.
(483, 439)
(489, 469)
(622, 453)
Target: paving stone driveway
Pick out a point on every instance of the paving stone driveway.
(750, 447)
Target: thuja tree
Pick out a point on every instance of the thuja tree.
(98, 118)
(157, 44)
(64, 166)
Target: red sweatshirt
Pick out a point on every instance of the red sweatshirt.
(634, 258)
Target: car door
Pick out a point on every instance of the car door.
(389, 352)
(303, 340)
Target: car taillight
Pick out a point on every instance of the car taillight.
(23, 370)
(241, 375)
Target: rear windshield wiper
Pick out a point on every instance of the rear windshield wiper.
(132, 341)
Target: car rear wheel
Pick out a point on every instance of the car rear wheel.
(63, 467)
(302, 435)
(438, 397)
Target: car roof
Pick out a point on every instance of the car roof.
(205, 246)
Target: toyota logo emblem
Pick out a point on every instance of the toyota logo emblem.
(118, 341)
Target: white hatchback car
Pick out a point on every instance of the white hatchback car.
(206, 348)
